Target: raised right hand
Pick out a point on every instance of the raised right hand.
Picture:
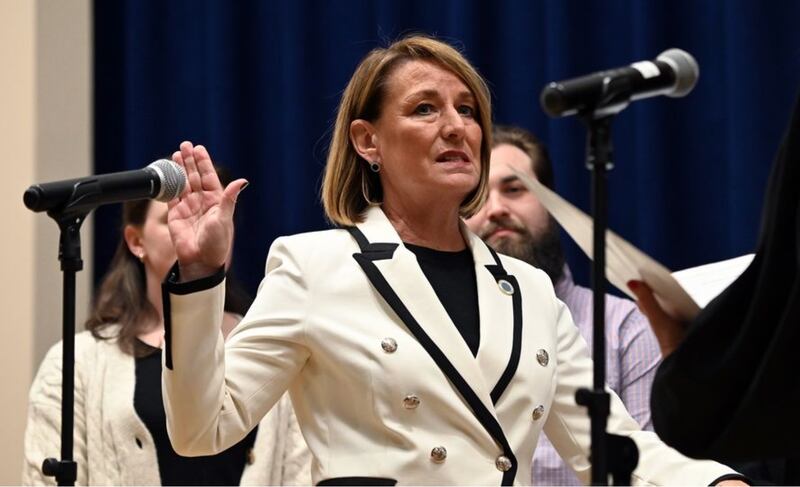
(201, 220)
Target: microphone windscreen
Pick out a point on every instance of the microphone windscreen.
(172, 176)
(686, 71)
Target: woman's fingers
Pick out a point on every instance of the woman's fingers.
(178, 159)
(646, 300)
(229, 197)
(208, 175)
(192, 174)
(200, 222)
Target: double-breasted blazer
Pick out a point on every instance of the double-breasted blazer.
(384, 387)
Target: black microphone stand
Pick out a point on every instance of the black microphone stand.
(609, 453)
(69, 221)
(84, 195)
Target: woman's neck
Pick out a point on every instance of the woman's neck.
(154, 292)
(427, 227)
(153, 331)
(153, 336)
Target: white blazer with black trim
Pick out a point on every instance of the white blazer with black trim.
(384, 387)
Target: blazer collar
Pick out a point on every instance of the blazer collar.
(405, 276)
(377, 228)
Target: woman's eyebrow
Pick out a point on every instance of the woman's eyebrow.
(426, 93)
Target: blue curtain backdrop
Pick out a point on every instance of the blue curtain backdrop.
(257, 82)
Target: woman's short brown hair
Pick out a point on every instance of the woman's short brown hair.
(348, 187)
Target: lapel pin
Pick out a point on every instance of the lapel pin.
(506, 287)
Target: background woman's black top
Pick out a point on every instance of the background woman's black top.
(224, 468)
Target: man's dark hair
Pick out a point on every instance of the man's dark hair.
(530, 145)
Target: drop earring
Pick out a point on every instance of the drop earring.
(365, 191)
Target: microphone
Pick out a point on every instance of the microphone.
(162, 180)
(674, 73)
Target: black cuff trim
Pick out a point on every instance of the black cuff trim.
(732, 476)
(358, 481)
(174, 286)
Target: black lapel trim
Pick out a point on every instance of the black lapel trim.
(366, 261)
(172, 286)
(499, 273)
(497, 269)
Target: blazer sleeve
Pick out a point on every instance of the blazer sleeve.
(568, 425)
(215, 392)
(43, 428)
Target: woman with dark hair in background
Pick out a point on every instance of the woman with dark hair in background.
(120, 424)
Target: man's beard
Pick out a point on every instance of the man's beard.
(544, 252)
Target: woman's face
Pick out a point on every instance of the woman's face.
(427, 138)
(155, 242)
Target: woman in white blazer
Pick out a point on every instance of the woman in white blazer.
(404, 365)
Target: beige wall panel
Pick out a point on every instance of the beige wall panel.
(17, 137)
(45, 132)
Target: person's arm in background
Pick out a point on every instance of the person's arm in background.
(639, 356)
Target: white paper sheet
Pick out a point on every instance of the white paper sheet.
(624, 262)
(705, 282)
